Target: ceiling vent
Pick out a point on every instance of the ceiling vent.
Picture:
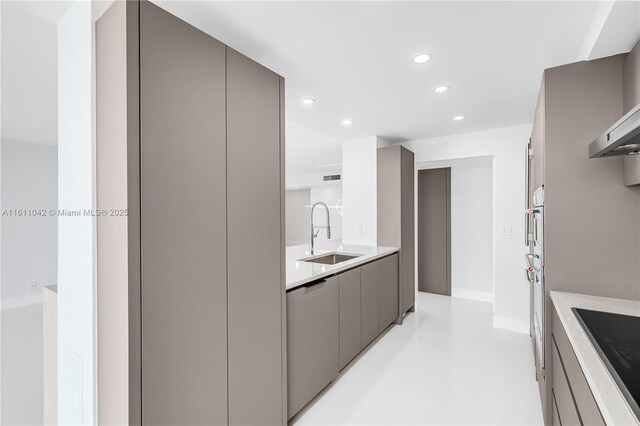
(329, 178)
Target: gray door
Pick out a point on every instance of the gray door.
(313, 329)
(350, 329)
(434, 231)
(183, 221)
(255, 198)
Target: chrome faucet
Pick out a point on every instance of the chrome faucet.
(313, 227)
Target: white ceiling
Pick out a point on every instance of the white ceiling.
(354, 58)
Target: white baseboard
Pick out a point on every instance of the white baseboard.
(18, 302)
(511, 324)
(482, 296)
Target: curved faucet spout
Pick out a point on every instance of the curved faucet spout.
(313, 227)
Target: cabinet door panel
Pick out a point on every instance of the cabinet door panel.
(567, 410)
(254, 229)
(183, 217)
(585, 402)
(350, 329)
(313, 356)
(388, 282)
(369, 302)
(407, 245)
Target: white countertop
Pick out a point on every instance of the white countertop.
(299, 273)
(611, 402)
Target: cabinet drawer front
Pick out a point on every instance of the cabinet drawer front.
(350, 330)
(587, 406)
(567, 410)
(312, 341)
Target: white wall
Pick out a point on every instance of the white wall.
(22, 366)
(298, 220)
(471, 226)
(507, 147)
(359, 190)
(309, 155)
(76, 235)
(331, 195)
(29, 243)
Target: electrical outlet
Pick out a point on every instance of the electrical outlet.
(359, 229)
(505, 230)
(32, 287)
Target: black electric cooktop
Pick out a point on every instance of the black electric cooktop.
(616, 337)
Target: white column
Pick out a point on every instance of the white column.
(76, 235)
(359, 190)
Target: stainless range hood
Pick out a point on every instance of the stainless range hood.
(620, 139)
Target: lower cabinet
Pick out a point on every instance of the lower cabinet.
(369, 301)
(330, 321)
(567, 411)
(388, 290)
(555, 417)
(572, 395)
(350, 329)
(313, 356)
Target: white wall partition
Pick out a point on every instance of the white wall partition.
(359, 190)
(507, 147)
(29, 243)
(298, 219)
(76, 283)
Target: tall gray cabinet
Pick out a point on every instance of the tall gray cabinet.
(396, 216)
(196, 128)
(577, 103)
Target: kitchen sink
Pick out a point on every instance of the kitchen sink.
(331, 258)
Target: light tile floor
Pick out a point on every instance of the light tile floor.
(445, 365)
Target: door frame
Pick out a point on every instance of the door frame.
(447, 170)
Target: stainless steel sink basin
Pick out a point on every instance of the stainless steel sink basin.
(331, 258)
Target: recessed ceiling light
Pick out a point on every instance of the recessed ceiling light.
(308, 101)
(347, 122)
(441, 89)
(458, 117)
(421, 58)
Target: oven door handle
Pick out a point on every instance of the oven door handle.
(529, 257)
(530, 275)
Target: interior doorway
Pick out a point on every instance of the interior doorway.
(434, 231)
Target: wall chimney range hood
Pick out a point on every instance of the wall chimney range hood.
(620, 139)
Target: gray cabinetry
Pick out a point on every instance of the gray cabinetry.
(350, 329)
(388, 291)
(254, 188)
(567, 411)
(568, 375)
(396, 173)
(329, 322)
(312, 341)
(577, 103)
(189, 140)
(182, 170)
(369, 301)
